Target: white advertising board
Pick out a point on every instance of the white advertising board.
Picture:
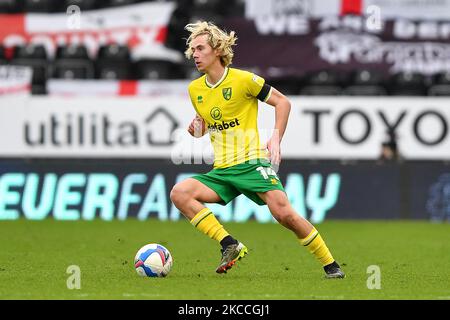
(318, 128)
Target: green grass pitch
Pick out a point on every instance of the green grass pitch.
(34, 257)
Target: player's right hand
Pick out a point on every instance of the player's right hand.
(197, 128)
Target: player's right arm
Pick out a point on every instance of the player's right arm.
(197, 128)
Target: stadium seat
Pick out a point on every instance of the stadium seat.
(176, 34)
(365, 90)
(34, 56)
(73, 69)
(441, 85)
(40, 68)
(72, 52)
(408, 84)
(442, 78)
(323, 82)
(2, 53)
(113, 72)
(365, 82)
(30, 51)
(184, 5)
(158, 69)
(209, 8)
(321, 90)
(72, 62)
(218, 8)
(40, 6)
(439, 90)
(117, 3)
(287, 86)
(367, 77)
(38, 89)
(113, 62)
(235, 8)
(10, 6)
(323, 77)
(82, 4)
(114, 52)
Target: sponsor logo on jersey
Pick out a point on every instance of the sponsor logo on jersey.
(224, 125)
(216, 113)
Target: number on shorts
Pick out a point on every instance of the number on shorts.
(266, 172)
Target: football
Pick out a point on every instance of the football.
(153, 260)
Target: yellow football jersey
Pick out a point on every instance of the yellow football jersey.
(230, 110)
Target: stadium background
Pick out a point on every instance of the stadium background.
(94, 106)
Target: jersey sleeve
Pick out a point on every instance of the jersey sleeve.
(258, 88)
(191, 97)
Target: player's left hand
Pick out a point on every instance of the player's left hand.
(273, 146)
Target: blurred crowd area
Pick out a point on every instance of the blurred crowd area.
(315, 72)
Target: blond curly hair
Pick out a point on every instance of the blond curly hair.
(217, 39)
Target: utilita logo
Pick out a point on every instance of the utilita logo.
(72, 130)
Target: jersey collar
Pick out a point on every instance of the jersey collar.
(209, 85)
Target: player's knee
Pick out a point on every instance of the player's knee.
(179, 194)
(282, 217)
(280, 209)
(277, 203)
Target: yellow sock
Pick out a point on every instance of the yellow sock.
(206, 222)
(317, 247)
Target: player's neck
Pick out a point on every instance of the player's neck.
(215, 74)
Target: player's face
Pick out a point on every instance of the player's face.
(204, 55)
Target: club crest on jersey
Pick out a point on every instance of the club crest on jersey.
(216, 113)
(199, 99)
(226, 93)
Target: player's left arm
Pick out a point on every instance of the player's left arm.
(282, 109)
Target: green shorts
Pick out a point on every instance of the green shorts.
(246, 178)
